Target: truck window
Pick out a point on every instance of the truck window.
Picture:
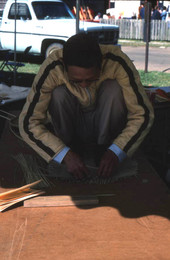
(51, 10)
(22, 12)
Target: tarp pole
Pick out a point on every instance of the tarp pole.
(147, 32)
(15, 23)
(77, 15)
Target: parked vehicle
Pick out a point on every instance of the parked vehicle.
(46, 25)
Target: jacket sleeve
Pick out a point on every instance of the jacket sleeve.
(33, 117)
(140, 111)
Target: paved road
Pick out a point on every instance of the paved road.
(159, 58)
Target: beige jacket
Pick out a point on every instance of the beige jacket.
(115, 65)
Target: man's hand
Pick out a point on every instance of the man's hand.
(108, 164)
(75, 165)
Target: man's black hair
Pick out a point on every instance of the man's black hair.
(83, 51)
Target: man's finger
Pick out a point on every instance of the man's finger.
(81, 172)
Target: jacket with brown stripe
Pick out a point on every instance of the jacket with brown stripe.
(115, 65)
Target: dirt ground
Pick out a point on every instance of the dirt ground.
(133, 223)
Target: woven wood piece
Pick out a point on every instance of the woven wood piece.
(126, 169)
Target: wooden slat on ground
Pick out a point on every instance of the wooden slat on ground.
(60, 201)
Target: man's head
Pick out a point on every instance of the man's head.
(83, 51)
(82, 58)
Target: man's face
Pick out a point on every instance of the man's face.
(82, 77)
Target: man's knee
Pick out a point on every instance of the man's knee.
(110, 88)
(59, 94)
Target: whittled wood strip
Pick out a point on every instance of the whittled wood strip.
(15, 192)
(60, 201)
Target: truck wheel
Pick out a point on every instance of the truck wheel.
(52, 47)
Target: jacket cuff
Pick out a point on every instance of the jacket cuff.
(120, 154)
(60, 156)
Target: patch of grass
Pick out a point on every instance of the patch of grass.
(28, 68)
(155, 78)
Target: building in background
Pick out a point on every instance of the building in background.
(123, 9)
(130, 9)
(2, 4)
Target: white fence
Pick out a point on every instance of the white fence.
(134, 29)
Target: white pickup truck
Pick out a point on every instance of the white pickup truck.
(46, 25)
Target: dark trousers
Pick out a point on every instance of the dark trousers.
(99, 123)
